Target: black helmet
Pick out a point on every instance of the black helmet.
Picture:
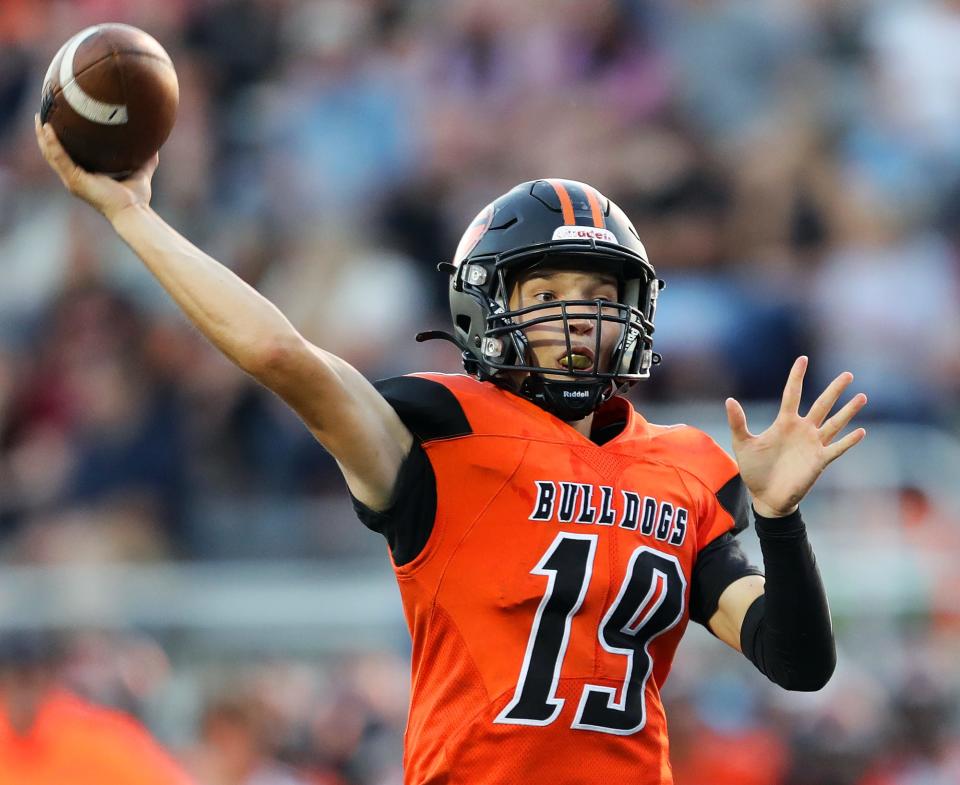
(540, 223)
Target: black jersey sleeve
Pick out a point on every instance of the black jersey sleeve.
(431, 412)
(408, 520)
(733, 498)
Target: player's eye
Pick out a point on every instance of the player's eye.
(606, 294)
(544, 297)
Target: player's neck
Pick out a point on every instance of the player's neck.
(584, 426)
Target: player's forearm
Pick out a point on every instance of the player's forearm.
(787, 632)
(234, 316)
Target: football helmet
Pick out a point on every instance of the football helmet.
(551, 223)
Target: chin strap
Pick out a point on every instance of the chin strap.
(570, 401)
(470, 363)
(431, 335)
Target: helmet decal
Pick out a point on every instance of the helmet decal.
(473, 234)
(596, 212)
(578, 201)
(566, 204)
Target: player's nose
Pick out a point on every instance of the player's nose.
(582, 323)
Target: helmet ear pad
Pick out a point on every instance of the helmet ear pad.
(626, 347)
(472, 305)
(469, 325)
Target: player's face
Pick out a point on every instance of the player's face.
(547, 341)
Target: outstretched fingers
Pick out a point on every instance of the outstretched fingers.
(793, 390)
(828, 398)
(737, 420)
(838, 448)
(841, 419)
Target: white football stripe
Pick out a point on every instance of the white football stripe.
(81, 103)
(49, 76)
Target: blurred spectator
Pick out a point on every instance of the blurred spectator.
(732, 60)
(103, 430)
(868, 322)
(922, 749)
(233, 747)
(288, 723)
(49, 736)
(719, 737)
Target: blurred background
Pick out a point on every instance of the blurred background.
(793, 167)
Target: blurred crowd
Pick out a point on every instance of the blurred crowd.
(793, 167)
(340, 720)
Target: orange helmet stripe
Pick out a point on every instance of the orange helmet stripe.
(566, 205)
(595, 209)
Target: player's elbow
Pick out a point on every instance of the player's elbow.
(299, 373)
(808, 682)
(274, 361)
(812, 673)
(797, 660)
(820, 675)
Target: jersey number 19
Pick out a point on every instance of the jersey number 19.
(649, 603)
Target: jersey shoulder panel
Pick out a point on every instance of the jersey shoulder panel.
(494, 411)
(696, 454)
(430, 409)
(693, 452)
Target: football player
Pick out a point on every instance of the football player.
(549, 543)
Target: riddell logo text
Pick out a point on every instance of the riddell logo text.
(583, 503)
(584, 233)
(576, 394)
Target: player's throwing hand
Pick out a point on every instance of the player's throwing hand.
(781, 464)
(104, 193)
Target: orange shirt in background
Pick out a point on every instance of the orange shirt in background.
(73, 742)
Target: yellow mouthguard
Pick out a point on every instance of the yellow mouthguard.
(578, 362)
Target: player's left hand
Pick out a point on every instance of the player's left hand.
(781, 464)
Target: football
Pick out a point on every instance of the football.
(111, 95)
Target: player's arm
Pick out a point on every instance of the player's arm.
(782, 622)
(342, 409)
(732, 608)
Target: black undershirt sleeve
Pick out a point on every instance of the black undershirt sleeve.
(408, 520)
(787, 632)
(430, 411)
(718, 565)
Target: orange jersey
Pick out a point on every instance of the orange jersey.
(72, 741)
(550, 594)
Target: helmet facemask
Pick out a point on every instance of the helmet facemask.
(569, 392)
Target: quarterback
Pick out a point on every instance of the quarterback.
(550, 544)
